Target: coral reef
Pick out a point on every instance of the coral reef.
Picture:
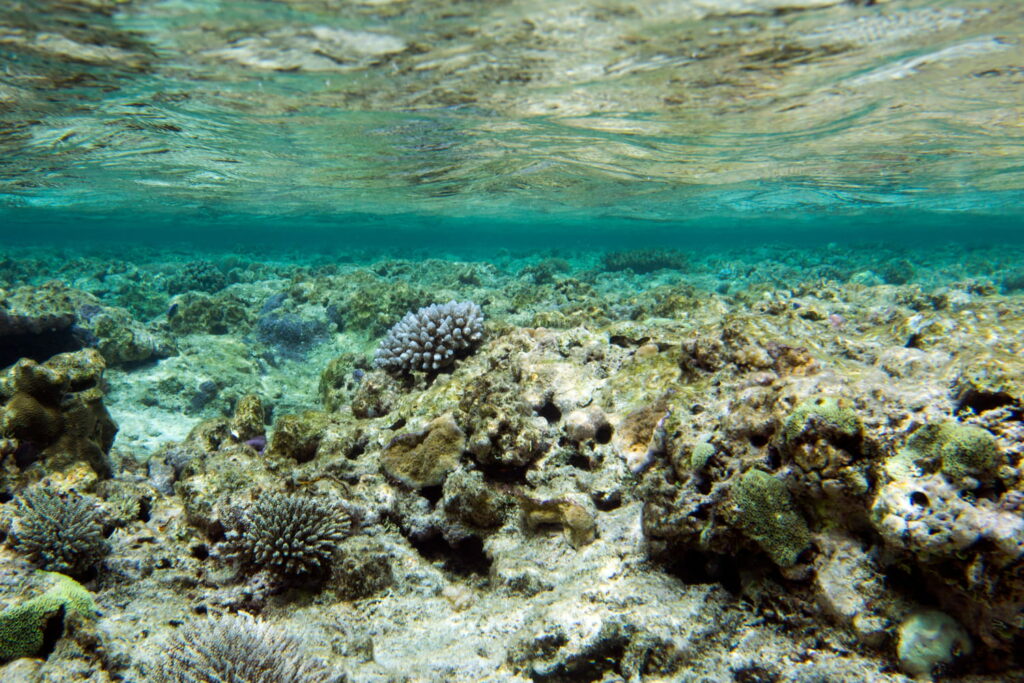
(26, 626)
(54, 413)
(60, 532)
(67, 319)
(431, 338)
(807, 474)
(196, 276)
(291, 535)
(644, 260)
(238, 648)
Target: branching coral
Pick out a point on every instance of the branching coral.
(238, 649)
(430, 338)
(292, 535)
(58, 532)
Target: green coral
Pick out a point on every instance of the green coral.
(23, 626)
(957, 450)
(766, 514)
(822, 412)
(702, 452)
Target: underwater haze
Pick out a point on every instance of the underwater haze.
(527, 341)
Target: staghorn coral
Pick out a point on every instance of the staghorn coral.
(238, 649)
(292, 535)
(60, 532)
(431, 338)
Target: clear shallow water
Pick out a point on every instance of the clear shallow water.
(658, 121)
(235, 199)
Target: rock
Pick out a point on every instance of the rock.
(424, 458)
(928, 639)
(54, 413)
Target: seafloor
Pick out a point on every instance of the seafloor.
(765, 464)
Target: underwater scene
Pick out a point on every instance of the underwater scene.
(527, 341)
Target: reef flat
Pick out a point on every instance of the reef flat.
(767, 464)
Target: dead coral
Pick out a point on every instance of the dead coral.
(424, 458)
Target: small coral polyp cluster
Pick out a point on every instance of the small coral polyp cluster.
(635, 474)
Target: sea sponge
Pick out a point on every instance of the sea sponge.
(292, 535)
(431, 338)
(238, 648)
(24, 626)
(764, 511)
(60, 532)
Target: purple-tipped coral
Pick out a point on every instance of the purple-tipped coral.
(431, 338)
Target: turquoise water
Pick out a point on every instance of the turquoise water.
(522, 122)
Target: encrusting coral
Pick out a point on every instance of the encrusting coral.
(765, 511)
(25, 626)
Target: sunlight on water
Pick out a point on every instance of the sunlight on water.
(660, 110)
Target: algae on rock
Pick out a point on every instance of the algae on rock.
(765, 512)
